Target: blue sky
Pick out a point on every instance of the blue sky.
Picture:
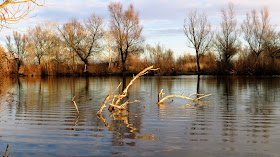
(162, 19)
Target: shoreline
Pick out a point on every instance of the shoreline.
(135, 73)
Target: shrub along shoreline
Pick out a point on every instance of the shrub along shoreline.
(101, 69)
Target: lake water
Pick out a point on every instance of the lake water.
(240, 118)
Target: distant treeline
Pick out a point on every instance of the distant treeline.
(86, 47)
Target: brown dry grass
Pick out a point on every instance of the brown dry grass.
(7, 65)
(186, 64)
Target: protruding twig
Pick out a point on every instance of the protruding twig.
(74, 102)
(160, 94)
(107, 99)
(5, 154)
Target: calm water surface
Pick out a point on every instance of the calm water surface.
(240, 118)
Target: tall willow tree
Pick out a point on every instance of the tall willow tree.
(126, 29)
(17, 47)
(83, 39)
(42, 39)
(198, 31)
(256, 29)
(226, 42)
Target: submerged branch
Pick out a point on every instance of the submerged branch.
(161, 94)
(107, 99)
(143, 72)
(114, 100)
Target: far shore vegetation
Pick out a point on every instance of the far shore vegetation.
(90, 47)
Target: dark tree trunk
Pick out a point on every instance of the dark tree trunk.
(18, 66)
(197, 62)
(123, 66)
(86, 65)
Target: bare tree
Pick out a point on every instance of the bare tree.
(198, 32)
(59, 51)
(17, 47)
(155, 54)
(226, 42)
(36, 45)
(109, 46)
(4, 63)
(83, 39)
(52, 43)
(272, 45)
(71, 33)
(41, 42)
(13, 11)
(255, 30)
(126, 30)
(160, 56)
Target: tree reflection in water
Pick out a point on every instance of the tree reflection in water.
(120, 117)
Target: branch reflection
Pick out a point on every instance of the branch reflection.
(121, 116)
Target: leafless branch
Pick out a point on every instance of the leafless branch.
(162, 99)
(12, 11)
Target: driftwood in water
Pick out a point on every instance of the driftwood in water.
(161, 99)
(114, 100)
(107, 99)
